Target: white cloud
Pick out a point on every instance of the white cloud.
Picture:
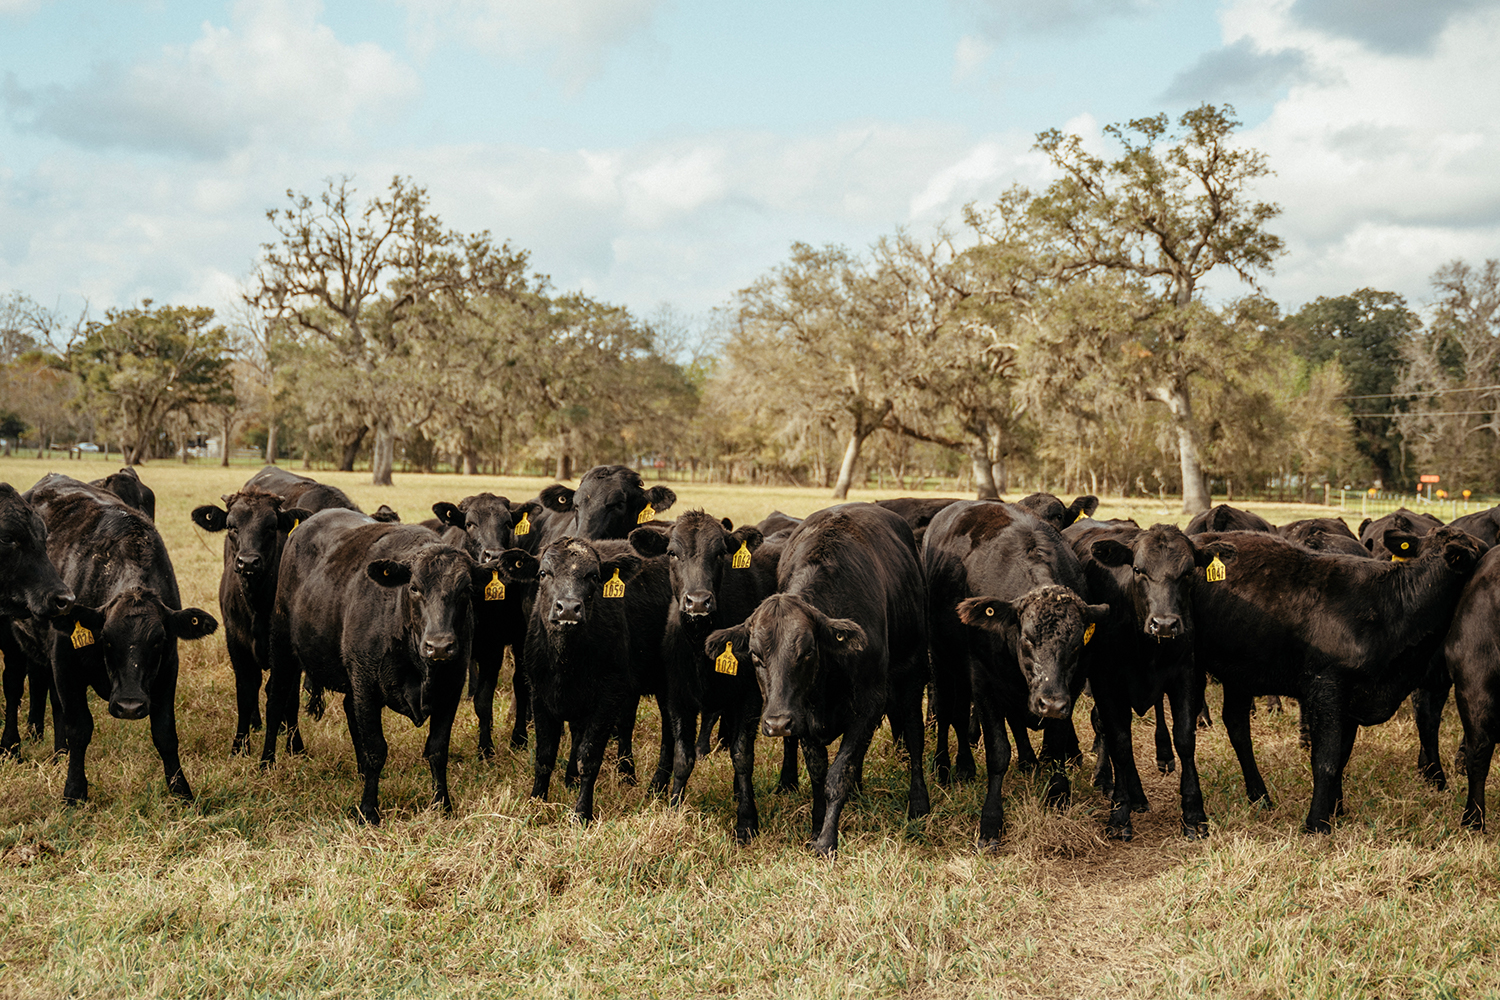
(969, 57)
(577, 35)
(1384, 160)
(274, 73)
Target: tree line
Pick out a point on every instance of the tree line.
(1063, 336)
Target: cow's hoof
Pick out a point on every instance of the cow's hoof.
(1321, 826)
(368, 816)
(989, 845)
(1124, 833)
(1195, 831)
(743, 835)
(1166, 766)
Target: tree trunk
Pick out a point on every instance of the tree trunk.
(564, 466)
(846, 471)
(984, 475)
(1195, 498)
(224, 448)
(383, 457)
(351, 450)
(271, 443)
(466, 451)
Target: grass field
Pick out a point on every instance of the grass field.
(265, 887)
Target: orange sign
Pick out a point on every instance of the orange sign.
(1430, 479)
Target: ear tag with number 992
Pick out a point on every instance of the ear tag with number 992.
(495, 589)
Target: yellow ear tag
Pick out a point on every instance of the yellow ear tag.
(494, 590)
(725, 663)
(294, 526)
(614, 586)
(523, 526)
(81, 637)
(1215, 571)
(741, 558)
(1398, 559)
(1088, 634)
(649, 514)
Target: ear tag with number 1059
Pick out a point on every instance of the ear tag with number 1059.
(614, 586)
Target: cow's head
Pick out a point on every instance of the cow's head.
(571, 581)
(134, 633)
(790, 643)
(1163, 564)
(1458, 549)
(609, 502)
(1046, 628)
(30, 583)
(127, 485)
(257, 524)
(438, 585)
(488, 521)
(700, 551)
(1049, 508)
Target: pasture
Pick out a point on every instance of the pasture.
(265, 886)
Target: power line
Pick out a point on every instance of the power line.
(1405, 395)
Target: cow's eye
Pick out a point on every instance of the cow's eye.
(415, 593)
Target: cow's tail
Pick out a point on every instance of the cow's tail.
(315, 702)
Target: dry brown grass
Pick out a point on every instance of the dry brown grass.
(265, 887)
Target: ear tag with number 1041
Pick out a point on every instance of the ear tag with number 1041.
(1215, 571)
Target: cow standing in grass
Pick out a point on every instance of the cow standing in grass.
(382, 613)
(840, 646)
(719, 576)
(29, 587)
(120, 637)
(1349, 638)
(484, 525)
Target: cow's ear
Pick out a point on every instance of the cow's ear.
(1401, 544)
(449, 514)
(626, 564)
(650, 540)
(518, 566)
(530, 507)
(191, 623)
(558, 498)
(287, 520)
(210, 518)
(727, 523)
(1083, 506)
(1461, 555)
(841, 636)
(1205, 554)
(1111, 552)
(79, 614)
(991, 613)
(737, 639)
(660, 498)
(749, 536)
(1095, 614)
(1362, 526)
(389, 572)
(386, 515)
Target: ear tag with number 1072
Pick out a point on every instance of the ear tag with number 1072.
(741, 558)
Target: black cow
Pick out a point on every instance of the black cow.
(485, 526)
(1406, 522)
(126, 484)
(1013, 579)
(1473, 659)
(1144, 651)
(578, 658)
(29, 586)
(1052, 510)
(609, 502)
(256, 522)
(776, 523)
(1298, 531)
(1482, 524)
(120, 638)
(842, 645)
(1349, 638)
(1226, 518)
(719, 576)
(382, 613)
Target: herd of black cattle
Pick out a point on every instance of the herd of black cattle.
(808, 630)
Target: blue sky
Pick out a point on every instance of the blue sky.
(654, 152)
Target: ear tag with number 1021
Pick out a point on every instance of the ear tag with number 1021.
(81, 637)
(726, 663)
(1215, 572)
(495, 589)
